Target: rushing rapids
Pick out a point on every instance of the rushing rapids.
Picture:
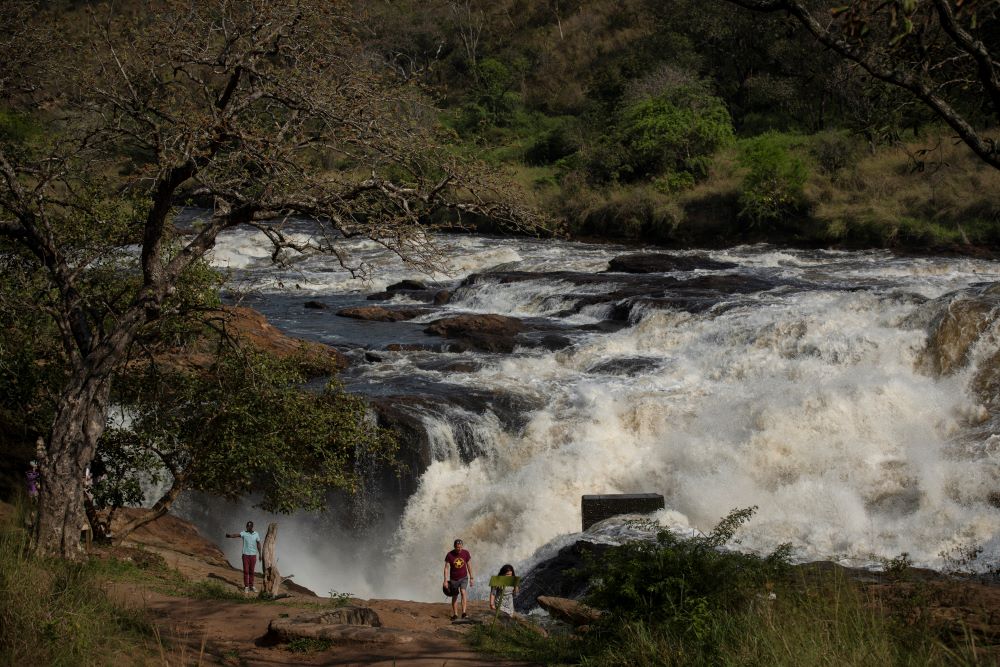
(802, 382)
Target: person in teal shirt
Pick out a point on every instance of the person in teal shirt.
(251, 547)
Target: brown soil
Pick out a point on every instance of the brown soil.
(232, 632)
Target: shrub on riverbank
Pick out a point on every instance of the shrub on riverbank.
(819, 190)
(55, 612)
(684, 602)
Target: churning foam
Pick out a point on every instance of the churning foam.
(806, 404)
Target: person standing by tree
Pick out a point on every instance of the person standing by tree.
(34, 478)
(251, 547)
(458, 577)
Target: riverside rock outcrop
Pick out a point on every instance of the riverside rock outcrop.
(559, 576)
(958, 320)
(249, 326)
(353, 624)
(487, 333)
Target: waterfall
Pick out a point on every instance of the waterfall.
(795, 381)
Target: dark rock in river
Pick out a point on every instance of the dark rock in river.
(558, 576)
(442, 297)
(664, 263)
(315, 305)
(406, 285)
(410, 347)
(449, 365)
(381, 314)
(625, 366)
(488, 333)
(374, 358)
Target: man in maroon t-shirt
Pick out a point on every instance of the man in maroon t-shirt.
(458, 576)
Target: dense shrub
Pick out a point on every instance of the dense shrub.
(834, 151)
(553, 145)
(683, 584)
(771, 191)
(674, 132)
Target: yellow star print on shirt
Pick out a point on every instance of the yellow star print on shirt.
(458, 564)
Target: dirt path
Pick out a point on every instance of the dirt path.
(197, 631)
(233, 633)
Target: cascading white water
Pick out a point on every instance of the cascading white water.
(804, 400)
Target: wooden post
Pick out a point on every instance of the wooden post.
(268, 562)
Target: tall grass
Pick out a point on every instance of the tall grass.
(54, 612)
(828, 621)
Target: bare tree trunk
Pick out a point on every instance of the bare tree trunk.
(159, 508)
(268, 562)
(79, 422)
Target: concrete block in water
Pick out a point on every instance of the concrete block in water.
(599, 508)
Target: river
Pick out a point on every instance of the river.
(783, 379)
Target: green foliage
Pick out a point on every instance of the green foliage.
(771, 191)
(552, 146)
(833, 151)
(673, 132)
(55, 612)
(17, 128)
(309, 645)
(681, 584)
(247, 426)
(209, 589)
(338, 600)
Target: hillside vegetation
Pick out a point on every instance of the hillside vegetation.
(689, 123)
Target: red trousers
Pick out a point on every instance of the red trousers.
(249, 563)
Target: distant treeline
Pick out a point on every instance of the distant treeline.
(689, 122)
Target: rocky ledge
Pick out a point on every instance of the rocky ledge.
(247, 326)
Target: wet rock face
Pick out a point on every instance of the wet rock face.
(406, 285)
(558, 576)
(959, 320)
(664, 263)
(487, 333)
(249, 326)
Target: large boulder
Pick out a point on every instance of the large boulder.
(572, 612)
(169, 532)
(381, 314)
(406, 285)
(559, 576)
(664, 263)
(487, 333)
(955, 322)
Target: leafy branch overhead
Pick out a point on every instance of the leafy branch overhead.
(944, 52)
(266, 110)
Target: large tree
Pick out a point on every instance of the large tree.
(266, 110)
(946, 53)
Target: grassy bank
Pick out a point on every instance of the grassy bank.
(684, 602)
(828, 190)
(829, 622)
(54, 612)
